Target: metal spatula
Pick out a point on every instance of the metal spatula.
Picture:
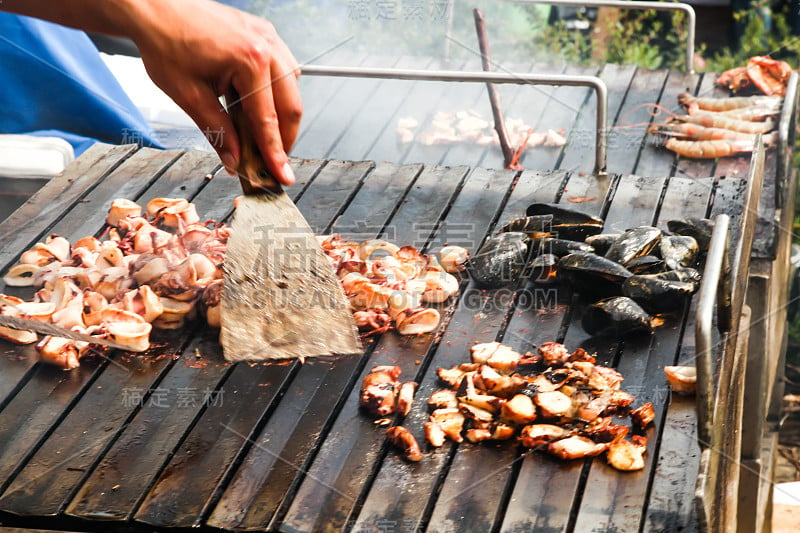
(281, 298)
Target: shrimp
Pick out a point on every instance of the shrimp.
(695, 132)
(750, 114)
(726, 104)
(715, 120)
(708, 149)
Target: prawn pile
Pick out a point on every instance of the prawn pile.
(762, 74)
(719, 127)
(152, 268)
(469, 126)
(557, 401)
(387, 284)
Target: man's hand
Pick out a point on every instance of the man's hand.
(195, 51)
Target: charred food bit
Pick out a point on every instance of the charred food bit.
(643, 415)
(379, 390)
(405, 441)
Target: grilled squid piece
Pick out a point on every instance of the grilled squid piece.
(627, 455)
(575, 447)
(379, 390)
(211, 298)
(497, 355)
(8, 307)
(554, 404)
(41, 311)
(405, 441)
(135, 336)
(56, 247)
(372, 322)
(554, 353)
(443, 399)
(439, 286)
(405, 397)
(120, 209)
(174, 314)
(371, 246)
(449, 421)
(172, 212)
(538, 435)
(142, 301)
(453, 258)
(417, 321)
(20, 275)
(93, 305)
(60, 352)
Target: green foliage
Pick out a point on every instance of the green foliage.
(757, 39)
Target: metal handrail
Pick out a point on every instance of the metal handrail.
(713, 279)
(691, 19)
(593, 82)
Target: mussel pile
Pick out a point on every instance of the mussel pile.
(632, 277)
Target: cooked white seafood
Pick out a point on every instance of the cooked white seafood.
(570, 391)
(682, 379)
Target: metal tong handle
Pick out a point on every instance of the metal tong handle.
(253, 174)
(716, 287)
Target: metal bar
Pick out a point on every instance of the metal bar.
(494, 96)
(786, 138)
(625, 4)
(704, 325)
(600, 89)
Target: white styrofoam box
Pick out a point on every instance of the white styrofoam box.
(28, 156)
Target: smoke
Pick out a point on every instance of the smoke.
(314, 29)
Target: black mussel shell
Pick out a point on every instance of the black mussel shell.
(647, 264)
(544, 268)
(679, 251)
(687, 275)
(619, 316)
(699, 228)
(602, 241)
(634, 243)
(560, 247)
(657, 295)
(567, 223)
(532, 225)
(500, 261)
(592, 274)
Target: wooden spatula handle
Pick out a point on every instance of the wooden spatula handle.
(253, 174)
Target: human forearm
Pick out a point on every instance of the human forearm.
(112, 17)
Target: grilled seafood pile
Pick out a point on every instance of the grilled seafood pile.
(637, 275)
(556, 401)
(469, 126)
(719, 127)
(160, 266)
(387, 285)
(762, 74)
(152, 268)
